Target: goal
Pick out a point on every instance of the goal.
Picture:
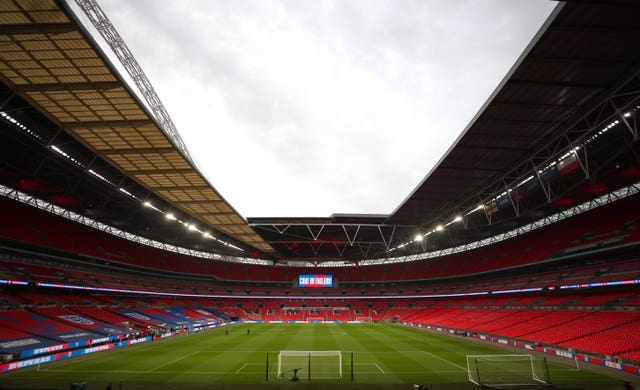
(310, 364)
(507, 370)
(364, 319)
(315, 320)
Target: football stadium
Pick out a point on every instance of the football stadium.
(514, 263)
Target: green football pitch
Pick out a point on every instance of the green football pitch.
(385, 356)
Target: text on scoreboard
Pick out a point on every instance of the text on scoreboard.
(315, 281)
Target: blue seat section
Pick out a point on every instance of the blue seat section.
(138, 317)
(42, 326)
(80, 321)
(14, 341)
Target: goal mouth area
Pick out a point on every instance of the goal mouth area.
(288, 374)
(516, 386)
(508, 371)
(313, 364)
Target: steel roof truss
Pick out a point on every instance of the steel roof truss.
(351, 239)
(281, 230)
(386, 241)
(315, 235)
(581, 129)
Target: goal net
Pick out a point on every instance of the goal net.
(364, 319)
(314, 320)
(507, 370)
(310, 364)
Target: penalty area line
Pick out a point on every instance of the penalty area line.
(240, 369)
(446, 361)
(173, 361)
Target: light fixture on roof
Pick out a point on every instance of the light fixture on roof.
(458, 218)
(170, 216)
(192, 227)
(148, 204)
(439, 228)
(418, 237)
(627, 114)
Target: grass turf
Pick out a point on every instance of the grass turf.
(386, 356)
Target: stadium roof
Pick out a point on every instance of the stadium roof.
(579, 72)
(578, 59)
(49, 60)
(578, 76)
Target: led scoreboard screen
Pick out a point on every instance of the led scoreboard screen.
(315, 281)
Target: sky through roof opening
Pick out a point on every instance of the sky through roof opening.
(309, 108)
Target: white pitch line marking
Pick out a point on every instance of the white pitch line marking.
(446, 361)
(381, 370)
(377, 371)
(162, 372)
(173, 361)
(240, 369)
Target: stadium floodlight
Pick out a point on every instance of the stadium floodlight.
(478, 208)
(418, 237)
(627, 114)
(192, 227)
(170, 216)
(439, 228)
(151, 206)
(458, 218)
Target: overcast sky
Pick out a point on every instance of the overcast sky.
(313, 107)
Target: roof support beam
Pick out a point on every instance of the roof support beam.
(573, 60)
(596, 29)
(108, 152)
(488, 147)
(465, 169)
(199, 202)
(40, 29)
(178, 188)
(532, 104)
(513, 120)
(160, 171)
(123, 123)
(89, 86)
(556, 83)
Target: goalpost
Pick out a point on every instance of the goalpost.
(366, 319)
(310, 364)
(507, 370)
